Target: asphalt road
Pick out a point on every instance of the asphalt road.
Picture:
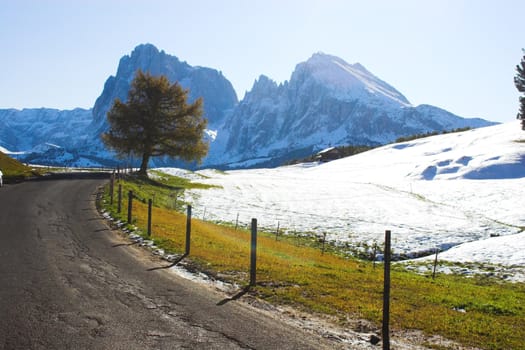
(67, 282)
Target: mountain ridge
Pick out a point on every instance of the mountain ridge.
(326, 102)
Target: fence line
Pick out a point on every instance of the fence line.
(253, 254)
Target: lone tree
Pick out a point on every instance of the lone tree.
(156, 121)
(519, 81)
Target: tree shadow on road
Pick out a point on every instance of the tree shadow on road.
(236, 296)
(170, 265)
(124, 244)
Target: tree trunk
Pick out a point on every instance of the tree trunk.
(143, 171)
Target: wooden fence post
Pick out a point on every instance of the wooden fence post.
(150, 204)
(111, 188)
(374, 256)
(130, 205)
(188, 230)
(277, 232)
(119, 204)
(386, 294)
(435, 264)
(253, 255)
(237, 222)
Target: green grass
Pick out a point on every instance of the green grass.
(13, 170)
(166, 191)
(293, 271)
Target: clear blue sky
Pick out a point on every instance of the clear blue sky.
(459, 55)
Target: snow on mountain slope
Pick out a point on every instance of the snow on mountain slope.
(327, 102)
(348, 79)
(28, 129)
(356, 199)
(484, 153)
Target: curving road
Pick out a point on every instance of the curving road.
(66, 283)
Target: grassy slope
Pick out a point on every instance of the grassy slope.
(294, 273)
(13, 169)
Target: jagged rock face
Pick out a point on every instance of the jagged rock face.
(217, 92)
(79, 130)
(327, 102)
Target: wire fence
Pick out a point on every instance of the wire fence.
(374, 252)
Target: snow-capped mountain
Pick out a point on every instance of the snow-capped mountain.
(346, 80)
(216, 91)
(36, 130)
(48, 136)
(327, 102)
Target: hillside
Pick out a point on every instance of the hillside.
(438, 192)
(13, 169)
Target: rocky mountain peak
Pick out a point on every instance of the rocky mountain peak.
(327, 102)
(147, 49)
(148, 58)
(262, 87)
(347, 81)
(211, 85)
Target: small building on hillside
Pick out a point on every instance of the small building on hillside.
(328, 154)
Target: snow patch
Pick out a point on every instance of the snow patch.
(422, 190)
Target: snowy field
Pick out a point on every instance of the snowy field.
(462, 193)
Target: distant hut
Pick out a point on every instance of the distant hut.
(328, 154)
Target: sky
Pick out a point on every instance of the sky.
(459, 55)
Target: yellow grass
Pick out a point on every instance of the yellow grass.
(293, 274)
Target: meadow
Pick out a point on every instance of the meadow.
(295, 271)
